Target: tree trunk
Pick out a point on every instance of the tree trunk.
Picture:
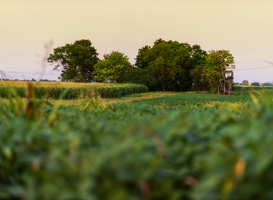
(174, 86)
(163, 86)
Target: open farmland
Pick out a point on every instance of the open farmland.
(93, 151)
(242, 95)
(69, 90)
(195, 98)
(98, 150)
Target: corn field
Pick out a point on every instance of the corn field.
(69, 90)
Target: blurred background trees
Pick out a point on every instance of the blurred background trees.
(167, 65)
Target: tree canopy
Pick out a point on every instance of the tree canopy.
(140, 59)
(75, 61)
(169, 65)
(245, 82)
(165, 61)
(217, 62)
(255, 84)
(110, 68)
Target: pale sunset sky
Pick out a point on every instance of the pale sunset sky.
(245, 27)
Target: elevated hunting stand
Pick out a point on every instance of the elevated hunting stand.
(222, 85)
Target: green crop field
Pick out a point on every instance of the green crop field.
(202, 147)
(196, 98)
(69, 90)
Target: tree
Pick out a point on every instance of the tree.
(217, 62)
(197, 58)
(76, 61)
(140, 59)
(111, 66)
(165, 61)
(196, 74)
(195, 69)
(267, 84)
(245, 82)
(255, 84)
(187, 58)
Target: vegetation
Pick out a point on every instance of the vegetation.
(217, 62)
(111, 67)
(245, 82)
(76, 61)
(245, 89)
(170, 63)
(56, 90)
(166, 62)
(136, 151)
(195, 98)
(255, 84)
(167, 65)
(267, 84)
(140, 76)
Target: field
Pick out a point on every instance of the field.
(69, 90)
(196, 98)
(193, 146)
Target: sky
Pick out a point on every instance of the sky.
(244, 27)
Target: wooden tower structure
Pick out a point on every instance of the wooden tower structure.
(222, 83)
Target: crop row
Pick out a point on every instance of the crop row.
(104, 90)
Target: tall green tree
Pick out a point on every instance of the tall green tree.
(189, 58)
(217, 62)
(165, 61)
(196, 74)
(75, 61)
(197, 57)
(140, 59)
(110, 68)
(198, 61)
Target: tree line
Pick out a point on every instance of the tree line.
(245, 82)
(167, 65)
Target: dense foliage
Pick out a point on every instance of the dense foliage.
(217, 62)
(110, 68)
(245, 82)
(76, 61)
(123, 152)
(140, 76)
(167, 65)
(255, 84)
(166, 62)
(170, 63)
(70, 91)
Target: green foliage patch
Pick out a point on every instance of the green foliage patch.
(246, 89)
(195, 98)
(122, 152)
(105, 91)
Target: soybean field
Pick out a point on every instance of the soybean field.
(198, 98)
